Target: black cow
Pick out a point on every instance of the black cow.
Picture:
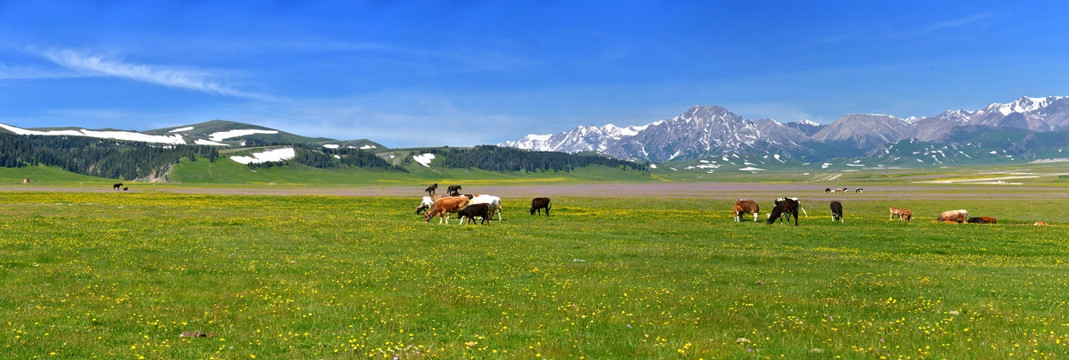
(117, 186)
(782, 206)
(837, 211)
(470, 212)
(538, 204)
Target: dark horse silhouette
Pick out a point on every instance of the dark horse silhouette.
(431, 189)
(453, 190)
(784, 206)
(117, 186)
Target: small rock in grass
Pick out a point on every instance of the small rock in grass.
(742, 341)
(195, 334)
(954, 312)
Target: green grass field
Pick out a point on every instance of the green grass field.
(122, 275)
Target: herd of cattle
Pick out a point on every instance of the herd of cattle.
(784, 208)
(467, 206)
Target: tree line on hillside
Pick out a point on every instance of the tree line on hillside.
(107, 158)
(507, 159)
(326, 158)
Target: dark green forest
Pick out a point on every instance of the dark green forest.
(113, 159)
(129, 160)
(324, 158)
(506, 159)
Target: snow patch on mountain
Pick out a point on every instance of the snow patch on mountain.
(223, 135)
(105, 134)
(424, 159)
(266, 156)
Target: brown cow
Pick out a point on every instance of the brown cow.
(745, 206)
(539, 203)
(902, 214)
(445, 206)
(981, 220)
(957, 216)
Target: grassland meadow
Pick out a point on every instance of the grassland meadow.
(110, 275)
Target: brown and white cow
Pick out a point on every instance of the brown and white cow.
(445, 206)
(745, 206)
(981, 220)
(427, 202)
(957, 216)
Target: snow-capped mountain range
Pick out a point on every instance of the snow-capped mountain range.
(704, 131)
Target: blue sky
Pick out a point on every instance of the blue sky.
(429, 73)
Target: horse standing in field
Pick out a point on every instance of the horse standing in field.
(117, 186)
(453, 190)
(431, 189)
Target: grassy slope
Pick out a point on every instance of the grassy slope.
(121, 275)
(47, 175)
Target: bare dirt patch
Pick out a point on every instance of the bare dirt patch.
(679, 190)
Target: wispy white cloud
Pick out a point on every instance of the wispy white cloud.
(103, 65)
(971, 20)
(34, 72)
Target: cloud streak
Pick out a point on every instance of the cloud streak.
(101, 65)
(953, 23)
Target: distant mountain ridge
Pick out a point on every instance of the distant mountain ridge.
(712, 131)
(212, 133)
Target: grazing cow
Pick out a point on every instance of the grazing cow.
(537, 204)
(957, 216)
(117, 186)
(837, 211)
(445, 206)
(788, 206)
(799, 205)
(431, 189)
(469, 213)
(827, 190)
(426, 203)
(859, 190)
(981, 220)
(453, 190)
(745, 206)
(902, 214)
(493, 201)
